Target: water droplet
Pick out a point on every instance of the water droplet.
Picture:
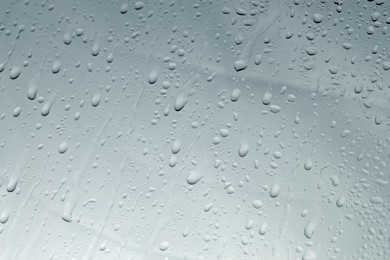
(164, 246)
(309, 229)
(309, 255)
(267, 97)
(63, 147)
(139, 5)
(176, 146)
(194, 177)
(4, 216)
(236, 93)
(96, 100)
(386, 65)
(124, 8)
(153, 76)
(263, 228)
(180, 102)
(67, 38)
(317, 17)
(15, 72)
(340, 201)
(275, 190)
(240, 65)
(95, 49)
(308, 164)
(275, 108)
(257, 204)
(243, 149)
(17, 111)
(56, 67)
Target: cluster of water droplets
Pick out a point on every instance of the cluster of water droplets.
(194, 130)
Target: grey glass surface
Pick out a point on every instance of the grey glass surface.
(194, 129)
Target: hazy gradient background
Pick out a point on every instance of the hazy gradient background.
(194, 130)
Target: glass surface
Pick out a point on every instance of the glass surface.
(195, 129)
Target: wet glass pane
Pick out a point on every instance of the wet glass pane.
(205, 129)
